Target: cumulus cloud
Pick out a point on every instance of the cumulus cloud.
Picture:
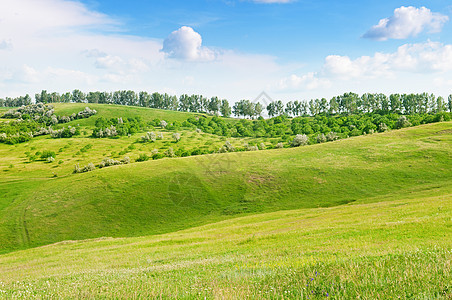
(186, 44)
(418, 58)
(407, 22)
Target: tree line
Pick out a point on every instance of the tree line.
(346, 104)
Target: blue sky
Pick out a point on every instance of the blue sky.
(297, 49)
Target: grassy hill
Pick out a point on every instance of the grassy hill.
(172, 194)
(386, 250)
(364, 217)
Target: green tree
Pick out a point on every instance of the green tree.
(225, 108)
(78, 96)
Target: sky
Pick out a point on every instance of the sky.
(233, 49)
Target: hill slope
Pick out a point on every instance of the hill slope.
(172, 194)
(391, 249)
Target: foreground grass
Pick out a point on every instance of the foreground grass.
(173, 194)
(387, 250)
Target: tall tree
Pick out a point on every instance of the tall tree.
(214, 105)
(396, 104)
(449, 100)
(78, 96)
(225, 108)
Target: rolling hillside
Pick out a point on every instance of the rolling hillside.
(171, 194)
(354, 218)
(391, 249)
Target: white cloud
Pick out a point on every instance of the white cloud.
(5, 44)
(428, 57)
(309, 81)
(186, 44)
(70, 55)
(30, 16)
(407, 22)
(108, 62)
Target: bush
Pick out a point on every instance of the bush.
(107, 162)
(163, 124)
(149, 137)
(47, 154)
(279, 146)
(402, 122)
(64, 132)
(227, 147)
(176, 137)
(321, 138)
(300, 140)
(77, 169)
(89, 167)
(157, 156)
(142, 157)
(107, 132)
(50, 159)
(332, 136)
(170, 152)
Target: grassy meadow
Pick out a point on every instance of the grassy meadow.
(365, 217)
(390, 249)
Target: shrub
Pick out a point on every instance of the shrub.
(149, 137)
(50, 159)
(64, 132)
(279, 145)
(332, 136)
(176, 137)
(89, 167)
(163, 123)
(142, 157)
(402, 122)
(107, 162)
(157, 156)
(86, 113)
(77, 169)
(107, 132)
(160, 136)
(125, 160)
(227, 147)
(47, 154)
(300, 140)
(262, 146)
(321, 138)
(170, 152)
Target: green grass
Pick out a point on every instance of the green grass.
(395, 249)
(121, 111)
(172, 194)
(367, 217)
